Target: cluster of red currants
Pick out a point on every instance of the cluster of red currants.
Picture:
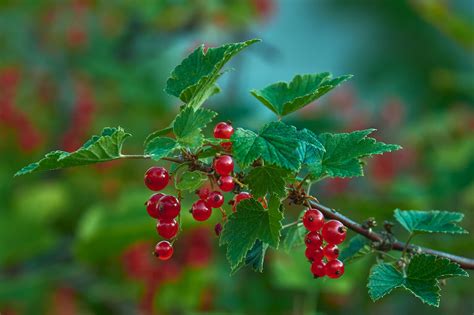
(333, 233)
(163, 207)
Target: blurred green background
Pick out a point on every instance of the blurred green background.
(78, 241)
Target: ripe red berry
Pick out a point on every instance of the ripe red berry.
(218, 229)
(224, 165)
(314, 254)
(226, 183)
(333, 232)
(223, 130)
(200, 211)
(331, 251)
(168, 207)
(334, 269)
(203, 193)
(163, 250)
(313, 240)
(313, 220)
(156, 178)
(167, 228)
(226, 146)
(318, 268)
(215, 199)
(151, 205)
(239, 197)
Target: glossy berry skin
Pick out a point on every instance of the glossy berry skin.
(318, 269)
(224, 165)
(167, 228)
(313, 220)
(223, 130)
(156, 178)
(334, 269)
(334, 232)
(215, 199)
(331, 251)
(203, 193)
(163, 250)
(151, 205)
(314, 254)
(168, 207)
(200, 211)
(239, 197)
(226, 183)
(313, 240)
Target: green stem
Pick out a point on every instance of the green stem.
(407, 244)
(291, 224)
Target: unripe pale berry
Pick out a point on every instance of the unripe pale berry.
(313, 220)
(167, 228)
(334, 269)
(334, 232)
(156, 178)
(163, 250)
(168, 207)
(226, 183)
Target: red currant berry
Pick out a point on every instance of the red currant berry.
(313, 220)
(334, 269)
(314, 254)
(331, 251)
(223, 130)
(215, 199)
(218, 229)
(318, 269)
(167, 228)
(156, 178)
(313, 240)
(203, 193)
(224, 165)
(226, 183)
(163, 250)
(151, 205)
(200, 211)
(226, 146)
(333, 232)
(239, 197)
(168, 207)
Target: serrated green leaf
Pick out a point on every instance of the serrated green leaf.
(344, 152)
(251, 222)
(190, 181)
(194, 80)
(160, 147)
(103, 148)
(276, 143)
(294, 237)
(188, 124)
(421, 278)
(310, 147)
(283, 98)
(158, 133)
(254, 257)
(357, 247)
(267, 179)
(430, 221)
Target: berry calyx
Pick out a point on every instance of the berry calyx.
(239, 197)
(331, 251)
(224, 165)
(163, 250)
(313, 240)
(200, 211)
(318, 269)
(151, 205)
(203, 193)
(313, 220)
(215, 199)
(334, 269)
(226, 183)
(223, 130)
(156, 178)
(334, 232)
(167, 228)
(168, 207)
(314, 254)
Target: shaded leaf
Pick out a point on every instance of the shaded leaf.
(433, 221)
(267, 179)
(160, 147)
(188, 124)
(357, 247)
(190, 181)
(310, 147)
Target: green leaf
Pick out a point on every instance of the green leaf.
(251, 222)
(254, 258)
(160, 147)
(190, 181)
(344, 152)
(283, 98)
(430, 221)
(194, 80)
(103, 148)
(421, 278)
(276, 143)
(157, 134)
(357, 247)
(267, 179)
(189, 123)
(294, 237)
(310, 148)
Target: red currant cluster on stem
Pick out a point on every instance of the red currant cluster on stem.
(332, 233)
